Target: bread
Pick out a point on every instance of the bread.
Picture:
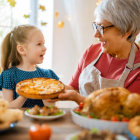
(134, 126)
(39, 88)
(11, 115)
(8, 116)
(4, 125)
(3, 106)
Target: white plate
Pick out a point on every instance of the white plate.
(71, 136)
(45, 117)
(118, 127)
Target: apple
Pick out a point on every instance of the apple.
(40, 132)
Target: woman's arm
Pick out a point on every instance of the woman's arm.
(71, 94)
(8, 95)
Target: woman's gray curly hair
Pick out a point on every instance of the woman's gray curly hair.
(124, 14)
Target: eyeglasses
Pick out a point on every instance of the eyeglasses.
(100, 28)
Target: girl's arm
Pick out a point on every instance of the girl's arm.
(8, 95)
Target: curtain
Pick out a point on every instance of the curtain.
(70, 41)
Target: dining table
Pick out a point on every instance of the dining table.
(62, 127)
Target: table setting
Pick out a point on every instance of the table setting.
(88, 120)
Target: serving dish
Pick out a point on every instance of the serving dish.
(74, 137)
(39, 117)
(118, 127)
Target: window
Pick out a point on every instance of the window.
(13, 16)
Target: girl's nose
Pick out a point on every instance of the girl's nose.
(44, 48)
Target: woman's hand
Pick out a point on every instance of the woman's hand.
(46, 101)
(71, 94)
(68, 94)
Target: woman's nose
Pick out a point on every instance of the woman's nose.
(97, 34)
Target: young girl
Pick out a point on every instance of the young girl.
(22, 49)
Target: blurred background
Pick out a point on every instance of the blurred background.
(66, 25)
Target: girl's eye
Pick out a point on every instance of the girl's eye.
(39, 44)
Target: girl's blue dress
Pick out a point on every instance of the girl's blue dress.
(10, 77)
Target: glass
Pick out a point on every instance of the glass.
(100, 28)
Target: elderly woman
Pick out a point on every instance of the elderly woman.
(115, 61)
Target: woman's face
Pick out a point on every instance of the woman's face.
(112, 40)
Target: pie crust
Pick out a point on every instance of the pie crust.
(40, 88)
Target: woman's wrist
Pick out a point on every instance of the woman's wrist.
(79, 98)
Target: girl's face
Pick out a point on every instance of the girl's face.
(112, 40)
(34, 48)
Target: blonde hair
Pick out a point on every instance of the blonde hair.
(9, 54)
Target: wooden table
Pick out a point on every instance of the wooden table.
(61, 128)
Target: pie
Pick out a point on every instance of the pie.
(40, 88)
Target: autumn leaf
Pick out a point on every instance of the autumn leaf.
(42, 7)
(12, 3)
(56, 14)
(26, 16)
(43, 23)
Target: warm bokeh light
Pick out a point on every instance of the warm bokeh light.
(60, 24)
(98, 1)
(69, 18)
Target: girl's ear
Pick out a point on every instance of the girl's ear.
(20, 49)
